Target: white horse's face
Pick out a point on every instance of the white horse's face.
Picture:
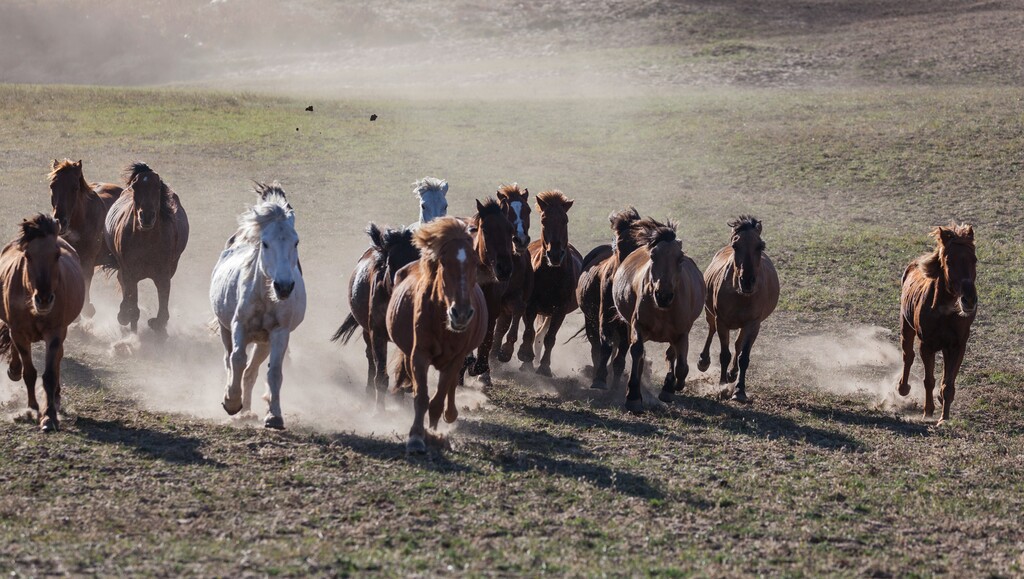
(279, 257)
(433, 204)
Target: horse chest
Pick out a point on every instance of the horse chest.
(551, 290)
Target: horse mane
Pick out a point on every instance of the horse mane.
(385, 241)
(266, 190)
(552, 196)
(650, 232)
(167, 203)
(489, 208)
(431, 237)
(274, 207)
(931, 263)
(37, 227)
(743, 223)
(505, 191)
(623, 219)
(428, 184)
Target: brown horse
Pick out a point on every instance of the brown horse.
(606, 330)
(742, 290)
(369, 290)
(146, 231)
(556, 270)
(80, 209)
(515, 203)
(493, 243)
(436, 317)
(658, 290)
(937, 305)
(43, 291)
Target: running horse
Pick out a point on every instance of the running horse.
(258, 296)
(556, 268)
(605, 329)
(515, 203)
(742, 291)
(659, 292)
(938, 304)
(436, 317)
(369, 290)
(432, 193)
(43, 291)
(80, 209)
(146, 232)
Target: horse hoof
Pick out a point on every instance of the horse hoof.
(14, 375)
(526, 367)
(666, 397)
(903, 388)
(451, 415)
(122, 318)
(415, 445)
(703, 364)
(733, 374)
(273, 422)
(485, 379)
(48, 424)
(740, 396)
(544, 371)
(635, 406)
(231, 409)
(157, 325)
(599, 385)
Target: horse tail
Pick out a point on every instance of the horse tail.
(347, 329)
(576, 335)
(403, 373)
(6, 342)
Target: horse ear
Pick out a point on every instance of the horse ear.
(945, 234)
(541, 204)
(526, 193)
(54, 164)
(444, 187)
(79, 163)
(375, 235)
(479, 206)
(568, 204)
(757, 225)
(970, 232)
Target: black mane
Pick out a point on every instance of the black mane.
(37, 227)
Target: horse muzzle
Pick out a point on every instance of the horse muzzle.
(555, 259)
(458, 320)
(663, 299)
(521, 243)
(967, 308)
(503, 270)
(283, 289)
(43, 304)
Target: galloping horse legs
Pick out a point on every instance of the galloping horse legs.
(744, 342)
(928, 359)
(128, 313)
(51, 383)
(26, 369)
(704, 362)
(526, 353)
(252, 370)
(275, 375)
(907, 335)
(634, 400)
(725, 356)
(447, 381)
(371, 364)
(501, 329)
(379, 339)
(554, 323)
(233, 391)
(88, 269)
(163, 295)
(952, 358)
(417, 443)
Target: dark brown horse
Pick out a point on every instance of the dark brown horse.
(369, 290)
(742, 290)
(658, 290)
(606, 331)
(146, 232)
(436, 317)
(493, 243)
(515, 202)
(43, 291)
(80, 209)
(937, 306)
(556, 270)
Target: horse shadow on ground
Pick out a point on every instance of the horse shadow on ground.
(165, 446)
(393, 449)
(891, 422)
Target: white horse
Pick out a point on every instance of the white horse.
(259, 297)
(431, 193)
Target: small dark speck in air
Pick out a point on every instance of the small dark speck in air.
(373, 117)
(309, 109)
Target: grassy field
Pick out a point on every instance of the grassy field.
(817, 476)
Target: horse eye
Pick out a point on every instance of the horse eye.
(265, 246)
(760, 247)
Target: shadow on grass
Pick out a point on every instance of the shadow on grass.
(394, 449)
(165, 446)
(868, 419)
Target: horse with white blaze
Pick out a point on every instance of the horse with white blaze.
(258, 296)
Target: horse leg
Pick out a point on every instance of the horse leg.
(380, 359)
(225, 338)
(745, 342)
(928, 359)
(725, 356)
(275, 375)
(734, 367)
(252, 370)
(163, 296)
(88, 269)
(907, 336)
(371, 364)
(482, 366)
(634, 400)
(416, 444)
(232, 402)
(526, 354)
(27, 370)
(128, 313)
(447, 381)
(550, 337)
(48, 420)
(669, 387)
(503, 353)
(619, 362)
(704, 362)
(952, 358)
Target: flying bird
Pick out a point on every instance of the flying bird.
(309, 109)
(373, 117)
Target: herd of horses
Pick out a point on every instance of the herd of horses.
(448, 292)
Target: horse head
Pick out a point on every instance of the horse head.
(38, 241)
(747, 250)
(66, 183)
(446, 245)
(955, 247)
(554, 225)
(431, 193)
(394, 248)
(147, 191)
(494, 239)
(667, 258)
(271, 224)
(515, 203)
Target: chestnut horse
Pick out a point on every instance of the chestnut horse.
(556, 270)
(493, 235)
(146, 231)
(436, 317)
(937, 305)
(80, 209)
(515, 203)
(658, 290)
(742, 290)
(369, 290)
(605, 330)
(43, 292)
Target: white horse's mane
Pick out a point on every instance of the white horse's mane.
(273, 208)
(428, 184)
